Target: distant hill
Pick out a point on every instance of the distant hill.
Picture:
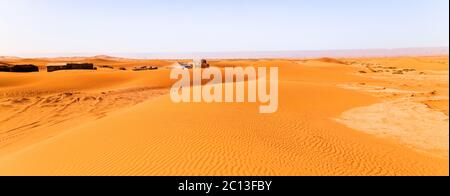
(330, 60)
(396, 52)
(9, 58)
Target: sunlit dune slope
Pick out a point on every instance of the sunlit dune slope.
(159, 137)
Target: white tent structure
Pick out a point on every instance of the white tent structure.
(180, 65)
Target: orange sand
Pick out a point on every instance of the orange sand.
(111, 122)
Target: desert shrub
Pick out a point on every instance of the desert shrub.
(398, 72)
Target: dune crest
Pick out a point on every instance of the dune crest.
(121, 122)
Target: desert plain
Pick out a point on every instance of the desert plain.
(346, 116)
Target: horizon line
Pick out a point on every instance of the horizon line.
(336, 53)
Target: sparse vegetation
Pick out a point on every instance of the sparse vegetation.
(398, 72)
(107, 66)
(144, 68)
(371, 69)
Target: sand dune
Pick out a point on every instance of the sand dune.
(97, 60)
(138, 130)
(39, 105)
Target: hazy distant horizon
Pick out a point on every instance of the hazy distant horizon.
(388, 52)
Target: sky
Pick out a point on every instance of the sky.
(167, 26)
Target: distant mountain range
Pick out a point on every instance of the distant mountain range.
(428, 51)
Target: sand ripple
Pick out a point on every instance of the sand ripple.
(411, 123)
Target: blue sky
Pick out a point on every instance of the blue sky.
(153, 26)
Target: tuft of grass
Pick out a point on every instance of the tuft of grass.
(398, 72)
